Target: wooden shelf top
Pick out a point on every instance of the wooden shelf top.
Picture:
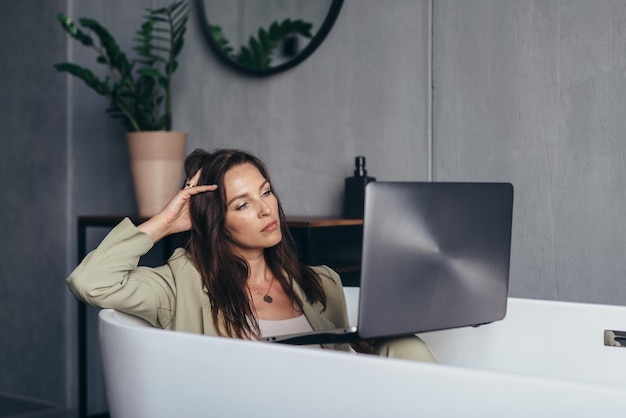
(320, 221)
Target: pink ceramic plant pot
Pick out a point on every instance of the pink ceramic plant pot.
(156, 159)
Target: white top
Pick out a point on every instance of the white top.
(297, 325)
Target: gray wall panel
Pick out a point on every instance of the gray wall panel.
(33, 169)
(531, 92)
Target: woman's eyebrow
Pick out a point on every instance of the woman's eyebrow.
(242, 195)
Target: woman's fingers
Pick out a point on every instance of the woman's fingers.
(196, 177)
(193, 181)
(193, 188)
(201, 189)
(177, 210)
(175, 217)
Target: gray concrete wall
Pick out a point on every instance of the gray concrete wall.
(364, 91)
(33, 202)
(524, 91)
(533, 92)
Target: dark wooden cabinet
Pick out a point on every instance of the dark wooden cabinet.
(335, 242)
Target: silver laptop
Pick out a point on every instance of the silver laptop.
(435, 256)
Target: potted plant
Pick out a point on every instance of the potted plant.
(139, 94)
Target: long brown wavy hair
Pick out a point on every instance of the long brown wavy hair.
(224, 273)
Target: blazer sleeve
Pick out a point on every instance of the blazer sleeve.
(109, 277)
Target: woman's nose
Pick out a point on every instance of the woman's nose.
(264, 209)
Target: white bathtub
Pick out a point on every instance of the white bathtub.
(545, 359)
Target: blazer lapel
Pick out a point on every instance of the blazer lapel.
(313, 313)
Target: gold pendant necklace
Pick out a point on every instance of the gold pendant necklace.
(266, 296)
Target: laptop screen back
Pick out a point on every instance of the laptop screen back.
(435, 256)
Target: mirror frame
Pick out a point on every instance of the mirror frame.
(317, 39)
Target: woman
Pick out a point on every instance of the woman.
(239, 275)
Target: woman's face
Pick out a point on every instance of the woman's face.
(251, 209)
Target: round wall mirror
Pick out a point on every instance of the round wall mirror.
(269, 36)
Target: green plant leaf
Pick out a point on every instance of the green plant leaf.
(111, 53)
(265, 40)
(139, 90)
(101, 87)
(222, 42)
(257, 54)
(71, 28)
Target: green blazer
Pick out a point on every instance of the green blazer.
(171, 296)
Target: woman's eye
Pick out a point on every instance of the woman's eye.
(242, 206)
(267, 192)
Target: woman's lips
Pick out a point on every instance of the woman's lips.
(270, 226)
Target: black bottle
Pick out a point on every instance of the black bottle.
(354, 197)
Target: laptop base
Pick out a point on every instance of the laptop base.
(333, 336)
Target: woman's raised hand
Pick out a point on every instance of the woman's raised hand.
(175, 216)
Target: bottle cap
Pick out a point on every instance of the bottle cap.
(359, 166)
